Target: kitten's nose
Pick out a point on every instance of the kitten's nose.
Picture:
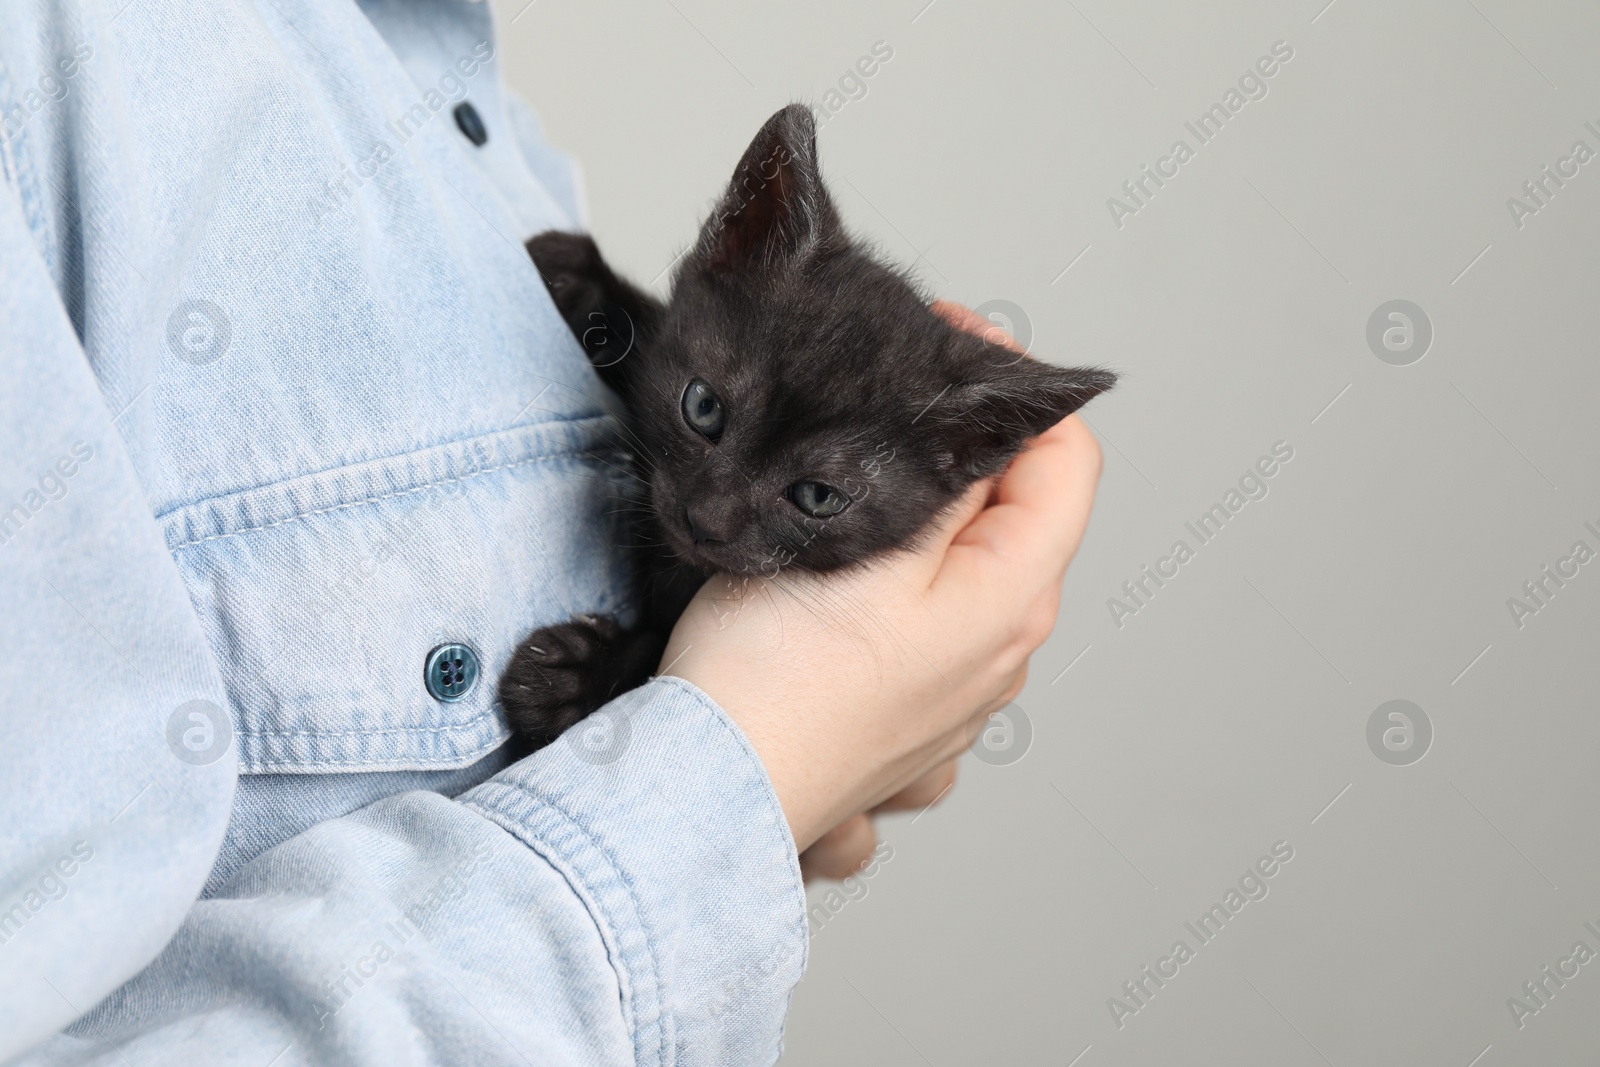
(703, 529)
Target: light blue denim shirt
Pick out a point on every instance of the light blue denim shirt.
(285, 407)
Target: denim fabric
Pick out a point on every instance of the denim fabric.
(268, 809)
(286, 407)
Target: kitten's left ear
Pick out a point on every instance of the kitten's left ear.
(1002, 402)
(776, 207)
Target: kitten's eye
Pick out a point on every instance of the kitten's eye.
(702, 410)
(818, 499)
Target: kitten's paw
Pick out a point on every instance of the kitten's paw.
(560, 674)
(573, 271)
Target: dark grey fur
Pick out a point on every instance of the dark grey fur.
(829, 367)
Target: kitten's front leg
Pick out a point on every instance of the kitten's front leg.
(611, 318)
(559, 674)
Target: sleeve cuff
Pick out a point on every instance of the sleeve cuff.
(658, 812)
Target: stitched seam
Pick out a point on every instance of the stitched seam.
(418, 728)
(607, 605)
(738, 739)
(774, 809)
(703, 698)
(582, 426)
(492, 811)
(291, 765)
(408, 761)
(370, 500)
(269, 766)
(661, 1006)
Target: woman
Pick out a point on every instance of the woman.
(295, 451)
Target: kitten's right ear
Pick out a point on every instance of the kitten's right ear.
(776, 207)
(1002, 399)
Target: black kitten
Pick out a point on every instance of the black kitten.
(794, 404)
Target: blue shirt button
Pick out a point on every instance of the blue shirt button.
(451, 672)
(471, 123)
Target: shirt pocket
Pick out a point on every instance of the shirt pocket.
(323, 595)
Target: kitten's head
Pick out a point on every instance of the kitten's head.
(801, 404)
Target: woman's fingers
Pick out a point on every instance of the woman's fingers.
(924, 791)
(1013, 690)
(1053, 483)
(1036, 513)
(964, 318)
(980, 719)
(841, 851)
(1043, 507)
(847, 847)
(957, 518)
(954, 623)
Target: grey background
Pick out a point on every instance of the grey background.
(1232, 709)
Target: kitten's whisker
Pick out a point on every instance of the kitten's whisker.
(858, 611)
(870, 611)
(621, 469)
(621, 423)
(855, 618)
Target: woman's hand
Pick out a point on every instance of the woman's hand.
(854, 687)
(846, 848)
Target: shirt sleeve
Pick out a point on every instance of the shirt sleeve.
(107, 830)
(630, 896)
